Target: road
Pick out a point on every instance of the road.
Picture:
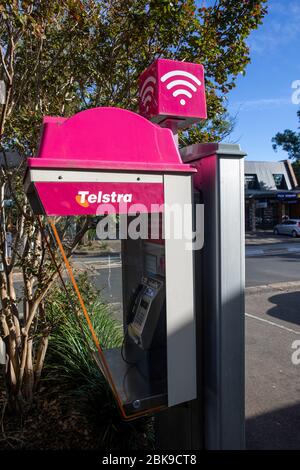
(271, 269)
(260, 270)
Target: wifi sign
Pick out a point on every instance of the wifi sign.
(172, 89)
(180, 82)
(147, 92)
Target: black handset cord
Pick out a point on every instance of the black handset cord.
(122, 349)
(135, 302)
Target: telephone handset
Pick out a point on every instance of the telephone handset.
(146, 311)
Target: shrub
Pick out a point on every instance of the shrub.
(70, 365)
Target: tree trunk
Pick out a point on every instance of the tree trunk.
(28, 376)
(41, 358)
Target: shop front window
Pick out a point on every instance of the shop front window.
(251, 181)
(279, 180)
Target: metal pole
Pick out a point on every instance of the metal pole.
(222, 281)
(215, 420)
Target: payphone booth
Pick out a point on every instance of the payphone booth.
(113, 162)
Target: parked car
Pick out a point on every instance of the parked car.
(288, 227)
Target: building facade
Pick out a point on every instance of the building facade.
(271, 192)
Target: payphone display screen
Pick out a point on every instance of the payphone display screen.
(144, 304)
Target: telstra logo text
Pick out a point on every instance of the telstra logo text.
(85, 198)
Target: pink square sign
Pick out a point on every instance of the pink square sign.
(173, 89)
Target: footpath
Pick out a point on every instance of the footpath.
(273, 366)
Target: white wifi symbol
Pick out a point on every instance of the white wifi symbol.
(180, 82)
(147, 91)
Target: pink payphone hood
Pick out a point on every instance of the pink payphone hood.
(84, 163)
(106, 138)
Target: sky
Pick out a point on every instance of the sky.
(262, 100)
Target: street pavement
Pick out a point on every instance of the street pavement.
(280, 267)
(272, 249)
(266, 237)
(272, 326)
(272, 380)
